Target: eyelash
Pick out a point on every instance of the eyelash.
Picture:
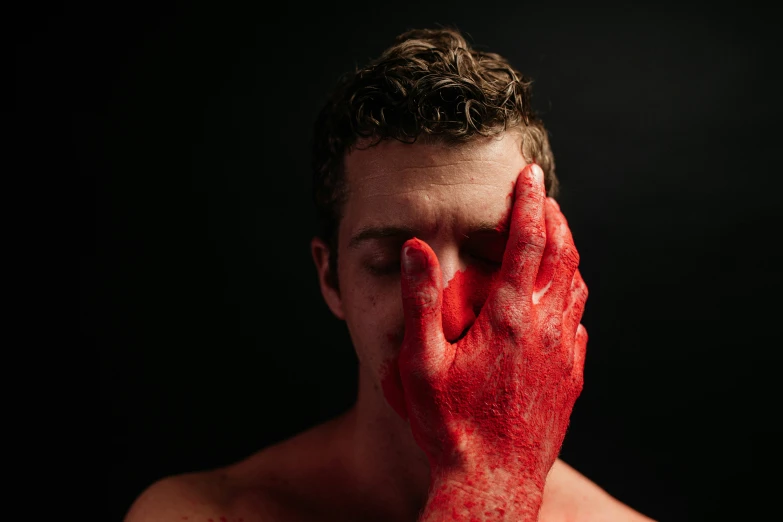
(490, 262)
(384, 270)
(486, 266)
(394, 268)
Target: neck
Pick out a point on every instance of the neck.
(383, 454)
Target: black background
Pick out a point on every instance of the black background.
(190, 127)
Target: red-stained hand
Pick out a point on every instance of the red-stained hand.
(491, 410)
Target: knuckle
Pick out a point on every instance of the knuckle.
(551, 333)
(535, 237)
(578, 280)
(582, 331)
(576, 311)
(579, 289)
(570, 256)
(583, 287)
(578, 382)
(508, 312)
(531, 235)
(506, 324)
(580, 293)
(528, 245)
(422, 297)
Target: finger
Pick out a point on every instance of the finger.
(527, 235)
(559, 262)
(580, 350)
(422, 297)
(575, 304)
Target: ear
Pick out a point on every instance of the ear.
(320, 253)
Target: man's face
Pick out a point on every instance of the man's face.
(457, 199)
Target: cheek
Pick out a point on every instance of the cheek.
(374, 315)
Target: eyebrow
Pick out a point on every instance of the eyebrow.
(370, 233)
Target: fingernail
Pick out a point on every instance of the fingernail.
(414, 261)
(538, 173)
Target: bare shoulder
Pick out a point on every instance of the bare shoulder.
(213, 495)
(260, 488)
(569, 495)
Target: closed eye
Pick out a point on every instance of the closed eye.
(488, 261)
(383, 269)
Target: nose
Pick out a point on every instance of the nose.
(464, 294)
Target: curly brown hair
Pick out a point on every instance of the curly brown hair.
(430, 85)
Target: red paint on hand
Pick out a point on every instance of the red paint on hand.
(491, 410)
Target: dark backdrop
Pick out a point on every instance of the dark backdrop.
(190, 126)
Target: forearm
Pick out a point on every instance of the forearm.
(458, 498)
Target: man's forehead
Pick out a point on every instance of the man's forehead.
(403, 190)
(392, 164)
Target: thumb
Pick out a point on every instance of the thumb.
(424, 343)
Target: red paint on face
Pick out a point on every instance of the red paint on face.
(463, 297)
(467, 291)
(462, 300)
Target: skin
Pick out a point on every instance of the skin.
(519, 355)
(469, 366)
(524, 356)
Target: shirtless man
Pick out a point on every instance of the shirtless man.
(456, 274)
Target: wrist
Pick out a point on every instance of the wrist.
(506, 474)
(492, 494)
